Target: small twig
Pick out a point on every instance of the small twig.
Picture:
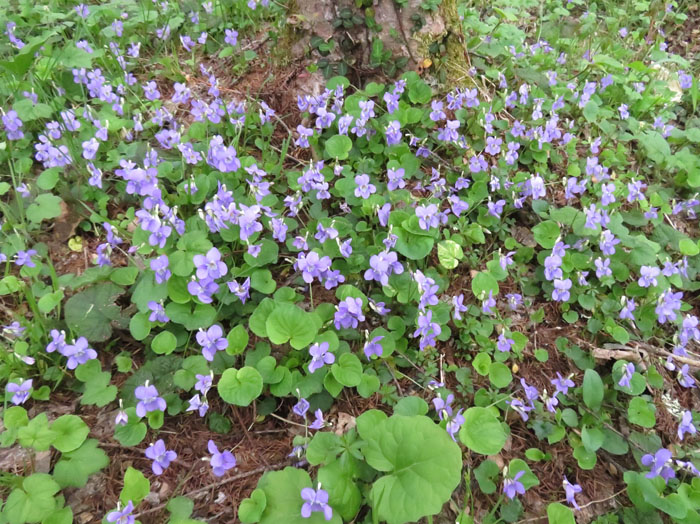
(189, 494)
(535, 519)
(398, 386)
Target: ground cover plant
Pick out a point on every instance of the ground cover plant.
(462, 293)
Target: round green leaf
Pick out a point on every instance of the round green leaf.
(449, 254)
(546, 233)
(288, 322)
(70, 431)
(482, 432)
(139, 326)
(641, 412)
(423, 467)
(338, 146)
(240, 386)
(482, 284)
(283, 500)
(164, 343)
(348, 370)
(500, 375)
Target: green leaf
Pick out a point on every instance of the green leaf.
(411, 405)
(124, 276)
(131, 433)
(419, 92)
(410, 245)
(251, 509)
(500, 375)
(482, 432)
(48, 302)
(482, 283)
(343, 494)
(323, 448)
(76, 466)
(546, 233)
(593, 389)
(449, 254)
(44, 207)
(240, 386)
(656, 146)
(592, 438)
(419, 478)
(70, 431)
(348, 370)
(164, 343)
(136, 487)
(180, 508)
(60, 516)
(140, 326)
(91, 313)
(688, 247)
(15, 417)
(288, 322)
(237, 340)
(33, 502)
(36, 434)
(557, 513)
(338, 147)
(192, 318)
(641, 412)
(368, 386)
(485, 475)
(261, 280)
(282, 491)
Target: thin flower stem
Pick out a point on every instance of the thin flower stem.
(287, 420)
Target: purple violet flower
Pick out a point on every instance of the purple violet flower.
(220, 462)
(686, 425)
(320, 356)
(122, 516)
(513, 487)
(20, 391)
(160, 456)
(315, 500)
(660, 464)
(211, 340)
(149, 400)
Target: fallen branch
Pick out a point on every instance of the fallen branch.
(243, 475)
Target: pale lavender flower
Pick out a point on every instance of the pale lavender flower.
(660, 464)
(373, 347)
(626, 375)
(220, 462)
(320, 356)
(20, 391)
(242, 291)
(78, 353)
(318, 422)
(571, 490)
(149, 400)
(364, 188)
(513, 487)
(686, 425)
(160, 456)
(315, 500)
(122, 516)
(211, 340)
(301, 407)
